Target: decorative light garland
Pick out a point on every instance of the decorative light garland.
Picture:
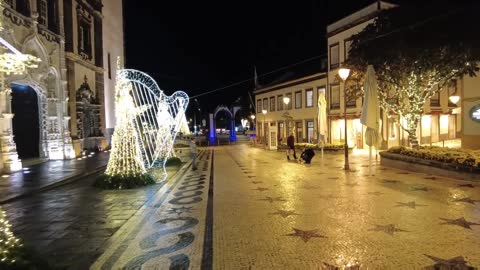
(147, 124)
(7, 240)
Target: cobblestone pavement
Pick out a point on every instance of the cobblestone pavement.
(272, 214)
(247, 208)
(71, 224)
(255, 210)
(171, 230)
(35, 177)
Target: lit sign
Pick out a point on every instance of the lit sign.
(475, 113)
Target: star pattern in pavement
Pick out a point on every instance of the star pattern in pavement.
(306, 235)
(333, 178)
(375, 193)
(330, 196)
(285, 213)
(420, 189)
(467, 200)
(462, 222)
(180, 210)
(402, 172)
(390, 181)
(466, 185)
(431, 177)
(411, 204)
(454, 263)
(273, 199)
(257, 182)
(354, 184)
(310, 187)
(261, 189)
(388, 229)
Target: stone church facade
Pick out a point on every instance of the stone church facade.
(67, 86)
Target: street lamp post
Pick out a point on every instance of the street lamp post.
(286, 101)
(343, 73)
(264, 112)
(253, 120)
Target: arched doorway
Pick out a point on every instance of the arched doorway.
(25, 122)
(231, 122)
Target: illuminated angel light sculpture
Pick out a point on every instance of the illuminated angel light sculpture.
(159, 119)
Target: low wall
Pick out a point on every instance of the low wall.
(428, 166)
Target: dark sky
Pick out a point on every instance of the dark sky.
(197, 46)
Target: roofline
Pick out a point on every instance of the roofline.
(305, 79)
(358, 17)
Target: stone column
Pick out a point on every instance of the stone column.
(8, 149)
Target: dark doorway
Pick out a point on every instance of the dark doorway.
(25, 122)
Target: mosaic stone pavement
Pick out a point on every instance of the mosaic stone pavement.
(320, 217)
(247, 208)
(170, 232)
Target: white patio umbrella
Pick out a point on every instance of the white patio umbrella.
(371, 113)
(322, 120)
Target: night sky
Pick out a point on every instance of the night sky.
(198, 46)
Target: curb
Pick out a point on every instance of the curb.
(59, 183)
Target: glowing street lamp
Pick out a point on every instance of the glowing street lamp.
(286, 100)
(454, 99)
(344, 73)
(264, 112)
(253, 120)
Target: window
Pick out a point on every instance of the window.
(321, 89)
(289, 95)
(279, 103)
(346, 47)
(265, 104)
(272, 104)
(452, 91)
(435, 99)
(10, 3)
(53, 16)
(334, 56)
(310, 131)
(351, 102)
(335, 97)
(309, 98)
(259, 105)
(298, 100)
(109, 67)
(84, 40)
(42, 12)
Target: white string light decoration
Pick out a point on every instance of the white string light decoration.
(159, 118)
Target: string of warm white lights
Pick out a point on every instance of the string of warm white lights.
(147, 124)
(125, 158)
(8, 241)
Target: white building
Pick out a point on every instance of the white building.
(113, 47)
(303, 93)
(440, 123)
(58, 109)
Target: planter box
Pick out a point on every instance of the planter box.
(429, 166)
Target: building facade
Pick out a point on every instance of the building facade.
(57, 111)
(85, 73)
(302, 108)
(441, 122)
(113, 47)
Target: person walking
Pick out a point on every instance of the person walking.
(291, 146)
(193, 153)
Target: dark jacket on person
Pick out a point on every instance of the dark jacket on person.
(291, 141)
(307, 155)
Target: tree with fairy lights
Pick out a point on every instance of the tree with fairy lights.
(414, 58)
(126, 168)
